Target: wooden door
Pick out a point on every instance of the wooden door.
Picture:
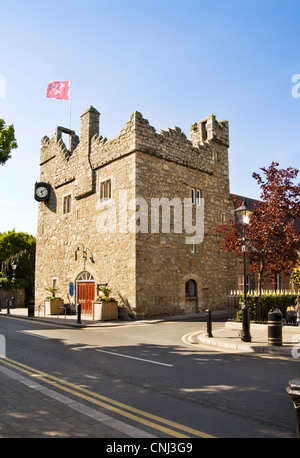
(85, 296)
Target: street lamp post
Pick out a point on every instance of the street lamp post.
(13, 266)
(244, 216)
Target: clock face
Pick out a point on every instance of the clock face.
(42, 191)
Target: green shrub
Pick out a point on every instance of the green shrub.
(259, 307)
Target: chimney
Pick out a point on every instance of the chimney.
(89, 124)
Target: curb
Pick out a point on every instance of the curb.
(244, 347)
(96, 324)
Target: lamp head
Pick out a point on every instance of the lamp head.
(244, 213)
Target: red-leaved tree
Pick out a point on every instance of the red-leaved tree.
(271, 238)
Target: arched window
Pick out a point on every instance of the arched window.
(85, 276)
(191, 288)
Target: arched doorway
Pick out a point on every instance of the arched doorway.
(85, 291)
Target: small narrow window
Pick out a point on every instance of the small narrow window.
(198, 197)
(105, 190)
(193, 196)
(67, 204)
(240, 282)
(204, 131)
(191, 288)
(193, 247)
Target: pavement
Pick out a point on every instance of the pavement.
(227, 338)
(31, 410)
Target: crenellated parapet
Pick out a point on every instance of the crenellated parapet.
(209, 129)
(206, 149)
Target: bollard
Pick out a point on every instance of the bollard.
(208, 321)
(275, 327)
(0, 306)
(78, 313)
(293, 390)
(7, 306)
(245, 333)
(30, 306)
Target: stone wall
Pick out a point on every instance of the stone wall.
(165, 261)
(89, 225)
(18, 294)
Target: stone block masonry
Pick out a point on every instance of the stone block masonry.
(127, 202)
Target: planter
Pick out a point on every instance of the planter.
(52, 305)
(104, 310)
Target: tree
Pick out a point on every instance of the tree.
(18, 247)
(271, 238)
(7, 141)
(25, 269)
(13, 242)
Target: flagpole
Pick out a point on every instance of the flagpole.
(70, 95)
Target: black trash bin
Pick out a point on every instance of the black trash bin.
(275, 327)
(30, 306)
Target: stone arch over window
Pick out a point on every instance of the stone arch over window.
(191, 290)
(85, 276)
(191, 304)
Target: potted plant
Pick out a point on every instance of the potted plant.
(105, 307)
(52, 303)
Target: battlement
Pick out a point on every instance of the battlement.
(209, 129)
(209, 140)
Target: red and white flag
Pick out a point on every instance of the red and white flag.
(58, 90)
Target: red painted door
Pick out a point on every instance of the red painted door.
(86, 295)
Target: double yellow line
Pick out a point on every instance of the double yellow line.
(152, 421)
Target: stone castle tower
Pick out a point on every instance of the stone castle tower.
(138, 212)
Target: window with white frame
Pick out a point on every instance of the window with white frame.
(193, 195)
(196, 196)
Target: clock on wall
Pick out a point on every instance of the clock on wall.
(41, 191)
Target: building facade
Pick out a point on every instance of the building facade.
(138, 212)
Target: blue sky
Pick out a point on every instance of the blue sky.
(175, 61)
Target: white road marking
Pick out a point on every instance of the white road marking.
(28, 333)
(133, 357)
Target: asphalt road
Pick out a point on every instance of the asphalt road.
(156, 378)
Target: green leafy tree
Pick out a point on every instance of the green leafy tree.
(24, 273)
(20, 248)
(7, 141)
(13, 242)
